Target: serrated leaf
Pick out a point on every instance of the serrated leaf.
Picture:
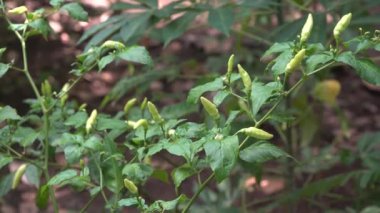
(365, 68)
(261, 93)
(261, 152)
(42, 198)
(3, 69)
(222, 155)
(137, 54)
(196, 92)
(8, 112)
(62, 176)
(222, 19)
(76, 11)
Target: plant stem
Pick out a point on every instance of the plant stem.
(88, 203)
(195, 196)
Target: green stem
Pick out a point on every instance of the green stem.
(88, 203)
(195, 196)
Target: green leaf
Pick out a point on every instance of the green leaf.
(365, 68)
(163, 206)
(278, 48)
(222, 155)
(6, 184)
(8, 113)
(196, 92)
(77, 120)
(33, 175)
(109, 123)
(76, 11)
(135, 26)
(190, 130)
(161, 175)
(128, 201)
(314, 60)
(104, 61)
(56, 3)
(178, 110)
(181, 147)
(4, 160)
(3, 69)
(73, 153)
(261, 152)
(261, 93)
(137, 54)
(281, 61)
(62, 176)
(137, 172)
(42, 198)
(93, 143)
(25, 136)
(222, 19)
(177, 27)
(220, 96)
(41, 26)
(180, 174)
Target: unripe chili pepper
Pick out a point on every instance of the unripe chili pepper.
(113, 45)
(18, 10)
(247, 82)
(230, 67)
(18, 175)
(63, 93)
(171, 132)
(143, 104)
(137, 124)
(218, 137)
(342, 25)
(295, 62)
(82, 107)
(91, 120)
(130, 186)
(46, 88)
(154, 112)
(210, 108)
(256, 133)
(129, 105)
(306, 29)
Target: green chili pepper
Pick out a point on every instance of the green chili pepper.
(295, 62)
(18, 175)
(130, 186)
(154, 112)
(129, 105)
(342, 25)
(256, 133)
(143, 104)
(91, 120)
(230, 67)
(18, 10)
(306, 30)
(210, 108)
(247, 82)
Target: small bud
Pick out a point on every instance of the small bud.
(218, 137)
(256, 133)
(154, 112)
(306, 30)
(342, 25)
(295, 62)
(210, 108)
(130, 186)
(91, 120)
(18, 175)
(245, 78)
(171, 132)
(46, 88)
(18, 10)
(129, 105)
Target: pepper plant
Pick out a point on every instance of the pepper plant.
(111, 155)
